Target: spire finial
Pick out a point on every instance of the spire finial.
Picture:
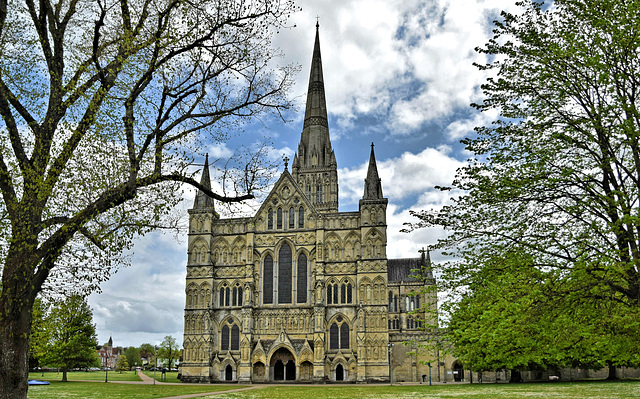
(286, 162)
(317, 21)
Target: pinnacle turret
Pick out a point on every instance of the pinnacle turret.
(202, 200)
(372, 183)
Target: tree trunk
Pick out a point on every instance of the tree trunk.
(14, 353)
(612, 372)
(64, 374)
(516, 376)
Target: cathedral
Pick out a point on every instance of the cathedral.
(301, 291)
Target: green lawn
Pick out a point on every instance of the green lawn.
(97, 390)
(87, 376)
(576, 390)
(172, 376)
(589, 390)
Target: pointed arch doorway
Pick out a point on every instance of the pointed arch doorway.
(283, 365)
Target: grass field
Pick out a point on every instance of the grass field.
(576, 390)
(172, 376)
(86, 376)
(97, 390)
(589, 390)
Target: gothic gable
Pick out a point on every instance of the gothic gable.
(281, 210)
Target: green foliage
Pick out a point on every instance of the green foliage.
(133, 356)
(545, 232)
(169, 351)
(70, 336)
(123, 364)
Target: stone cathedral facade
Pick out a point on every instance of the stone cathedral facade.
(301, 291)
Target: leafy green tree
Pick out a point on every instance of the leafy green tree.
(104, 105)
(71, 336)
(169, 351)
(123, 364)
(133, 356)
(553, 190)
(39, 334)
(147, 351)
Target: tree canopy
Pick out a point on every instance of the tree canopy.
(545, 235)
(104, 105)
(70, 336)
(169, 351)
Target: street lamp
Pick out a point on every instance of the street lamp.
(155, 354)
(106, 369)
(390, 346)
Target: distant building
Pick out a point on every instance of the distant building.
(109, 355)
(301, 291)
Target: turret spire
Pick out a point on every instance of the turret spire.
(372, 183)
(202, 200)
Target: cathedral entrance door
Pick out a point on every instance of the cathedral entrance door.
(291, 371)
(278, 371)
(228, 373)
(339, 373)
(283, 365)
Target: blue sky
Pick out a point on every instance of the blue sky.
(397, 73)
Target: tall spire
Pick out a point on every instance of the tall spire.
(315, 143)
(314, 166)
(202, 200)
(372, 183)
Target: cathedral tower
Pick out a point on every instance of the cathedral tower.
(314, 165)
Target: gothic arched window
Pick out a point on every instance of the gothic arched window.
(267, 280)
(301, 218)
(284, 274)
(292, 218)
(279, 218)
(319, 193)
(221, 302)
(344, 336)
(349, 293)
(390, 302)
(234, 297)
(334, 337)
(343, 293)
(339, 334)
(329, 294)
(224, 341)
(302, 279)
(235, 338)
(227, 292)
(270, 219)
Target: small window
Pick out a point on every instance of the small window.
(279, 219)
(267, 280)
(301, 218)
(270, 219)
(335, 294)
(292, 218)
(227, 293)
(302, 279)
(240, 296)
(349, 293)
(234, 297)
(318, 193)
(329, 294)
(343, 294)
(221, 302)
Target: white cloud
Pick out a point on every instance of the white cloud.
(407, 62)
(220, 151)
(404, 176)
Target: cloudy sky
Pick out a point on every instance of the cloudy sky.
(398, 73)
